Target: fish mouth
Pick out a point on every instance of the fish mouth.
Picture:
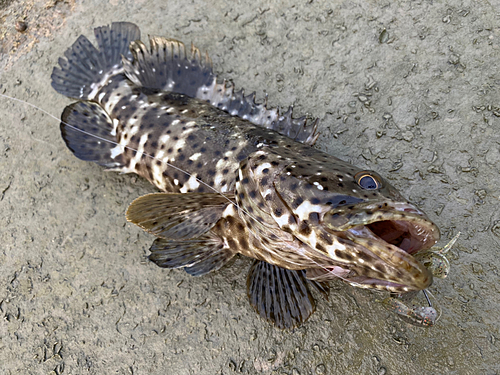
(384, 243)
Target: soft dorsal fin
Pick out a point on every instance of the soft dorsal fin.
(177, 216)
(167, 66)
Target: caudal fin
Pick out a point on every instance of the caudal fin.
(89, 134)
(85, 68)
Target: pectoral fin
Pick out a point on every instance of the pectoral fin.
(279, 295)
(177, 216)
(198, 256)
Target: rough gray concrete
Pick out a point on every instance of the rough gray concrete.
(418, 103)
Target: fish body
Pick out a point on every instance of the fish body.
(236, 176)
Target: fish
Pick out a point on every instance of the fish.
(235, 177)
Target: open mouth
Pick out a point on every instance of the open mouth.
(408, 236)
(388, 245)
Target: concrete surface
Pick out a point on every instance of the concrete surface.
(419, 103)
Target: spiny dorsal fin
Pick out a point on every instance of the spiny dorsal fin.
(177, 216)
(198, 256)
(167, 66)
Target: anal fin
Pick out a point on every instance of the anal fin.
(198, 256)
(279, 295)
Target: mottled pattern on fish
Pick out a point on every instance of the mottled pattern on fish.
(238, 177)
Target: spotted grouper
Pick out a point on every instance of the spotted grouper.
(236, 177)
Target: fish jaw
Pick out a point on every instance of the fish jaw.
(382, 265)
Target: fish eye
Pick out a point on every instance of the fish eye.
(368, 180)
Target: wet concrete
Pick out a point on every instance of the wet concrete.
(418, 102)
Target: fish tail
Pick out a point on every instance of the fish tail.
(90, 134)
(84, 69)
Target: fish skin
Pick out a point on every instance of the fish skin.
(288, 204)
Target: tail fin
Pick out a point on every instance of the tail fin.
(86, 68)
(89, 134)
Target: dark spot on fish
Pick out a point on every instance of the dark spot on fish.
(154, 144)
(211, 172)
(245, 181)
(262, 157)
(181, 157)
(314, 217)
(326, 238)
(158, 162)
(340, 185)
(225, 171)
(232, 244)
(190, 137)
(297, 202)
(203, 149)
(320, 247)
(275, 163)
(243, 243)
(343, 255)
(241, 195)
(252, 194)
(304, 229)
(364, 256)
(315, 201)
(170, 150)
(175, 138)
(278, 212)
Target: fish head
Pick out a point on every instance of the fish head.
(368, 231)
